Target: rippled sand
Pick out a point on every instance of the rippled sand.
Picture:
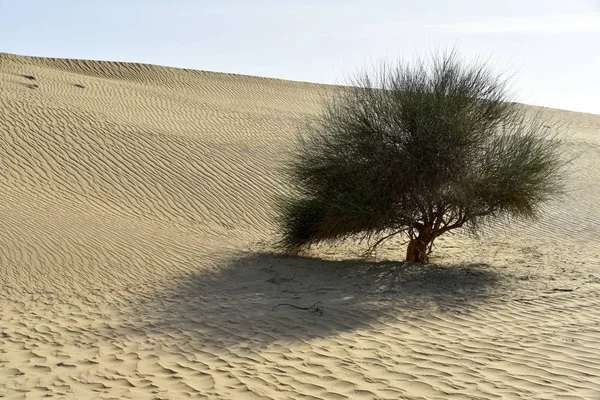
(135, 258)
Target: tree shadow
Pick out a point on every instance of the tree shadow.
(257, 298)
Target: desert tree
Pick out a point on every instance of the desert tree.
(418, 149)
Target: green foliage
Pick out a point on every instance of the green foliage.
(419, 150)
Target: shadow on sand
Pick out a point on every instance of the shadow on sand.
(258, 297)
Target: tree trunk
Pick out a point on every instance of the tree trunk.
(417, 251)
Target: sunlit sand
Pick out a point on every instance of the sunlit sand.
(136, 261)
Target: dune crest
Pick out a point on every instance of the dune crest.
(135, 258)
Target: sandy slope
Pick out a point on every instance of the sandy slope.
(134, 258)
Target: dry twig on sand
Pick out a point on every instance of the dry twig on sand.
(317, 307)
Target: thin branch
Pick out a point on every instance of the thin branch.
(317, 306)
(369, 252)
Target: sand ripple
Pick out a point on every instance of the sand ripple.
(135, 261)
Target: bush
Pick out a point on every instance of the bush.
(418, 150)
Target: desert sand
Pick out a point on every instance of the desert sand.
(136, 258)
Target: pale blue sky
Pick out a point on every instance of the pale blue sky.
(552, 45)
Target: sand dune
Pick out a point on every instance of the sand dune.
(135, 258)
